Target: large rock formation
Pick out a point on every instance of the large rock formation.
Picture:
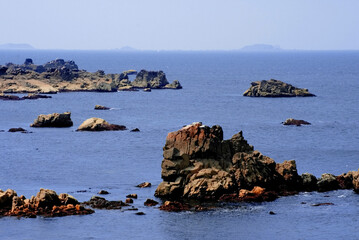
(199, 164)
(275, 88)
(46, 203)
(63, 76)
(99, 124)
(53, 120)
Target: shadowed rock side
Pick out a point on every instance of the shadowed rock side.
(99, 124)
(63, 76)
(198, 164)
(46, 203)
(53, 120)
(275, 88)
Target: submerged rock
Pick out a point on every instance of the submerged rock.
(291, 121)
(275, 88)
(99, 124)
(53, 120)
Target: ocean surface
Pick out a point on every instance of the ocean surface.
(81, 163)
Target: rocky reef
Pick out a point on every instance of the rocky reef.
(63, 76)
(275, 88)
(199, 165)
(45, 203)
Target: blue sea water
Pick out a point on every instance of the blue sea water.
(213, 84)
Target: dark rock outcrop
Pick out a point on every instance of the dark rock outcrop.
(291, 121)
(46, 203)
(17, 98)
(275, 88)
(99, 124)
(53, 120)
(102, 203)
(150, 202)
(19, 129)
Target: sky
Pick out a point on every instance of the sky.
(181, 24)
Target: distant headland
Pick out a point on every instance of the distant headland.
(16, 46)
(261, 48)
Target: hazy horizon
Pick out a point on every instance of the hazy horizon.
(183, 25)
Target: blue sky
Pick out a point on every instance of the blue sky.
(181, 25)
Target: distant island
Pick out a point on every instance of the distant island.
(261, 48)
(14, 46)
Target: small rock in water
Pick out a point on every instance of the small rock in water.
(135, 130)
(100, 107)
(291, 121)
(140, 213)
(129, 200)
(144, 185)
(147, 89)
(132, 195)
(272, 213)
(103, 192)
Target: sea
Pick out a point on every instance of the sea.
(83, 163)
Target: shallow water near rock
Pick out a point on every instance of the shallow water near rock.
(83, 163)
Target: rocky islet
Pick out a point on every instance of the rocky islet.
(46, 203)
(64, 76)
(275, 88)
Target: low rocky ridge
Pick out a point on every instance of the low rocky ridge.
(9, 97)
(53, 120)
(99, 124)
(199, 165)
(275, 88)
(63, 76)
(46, 203)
